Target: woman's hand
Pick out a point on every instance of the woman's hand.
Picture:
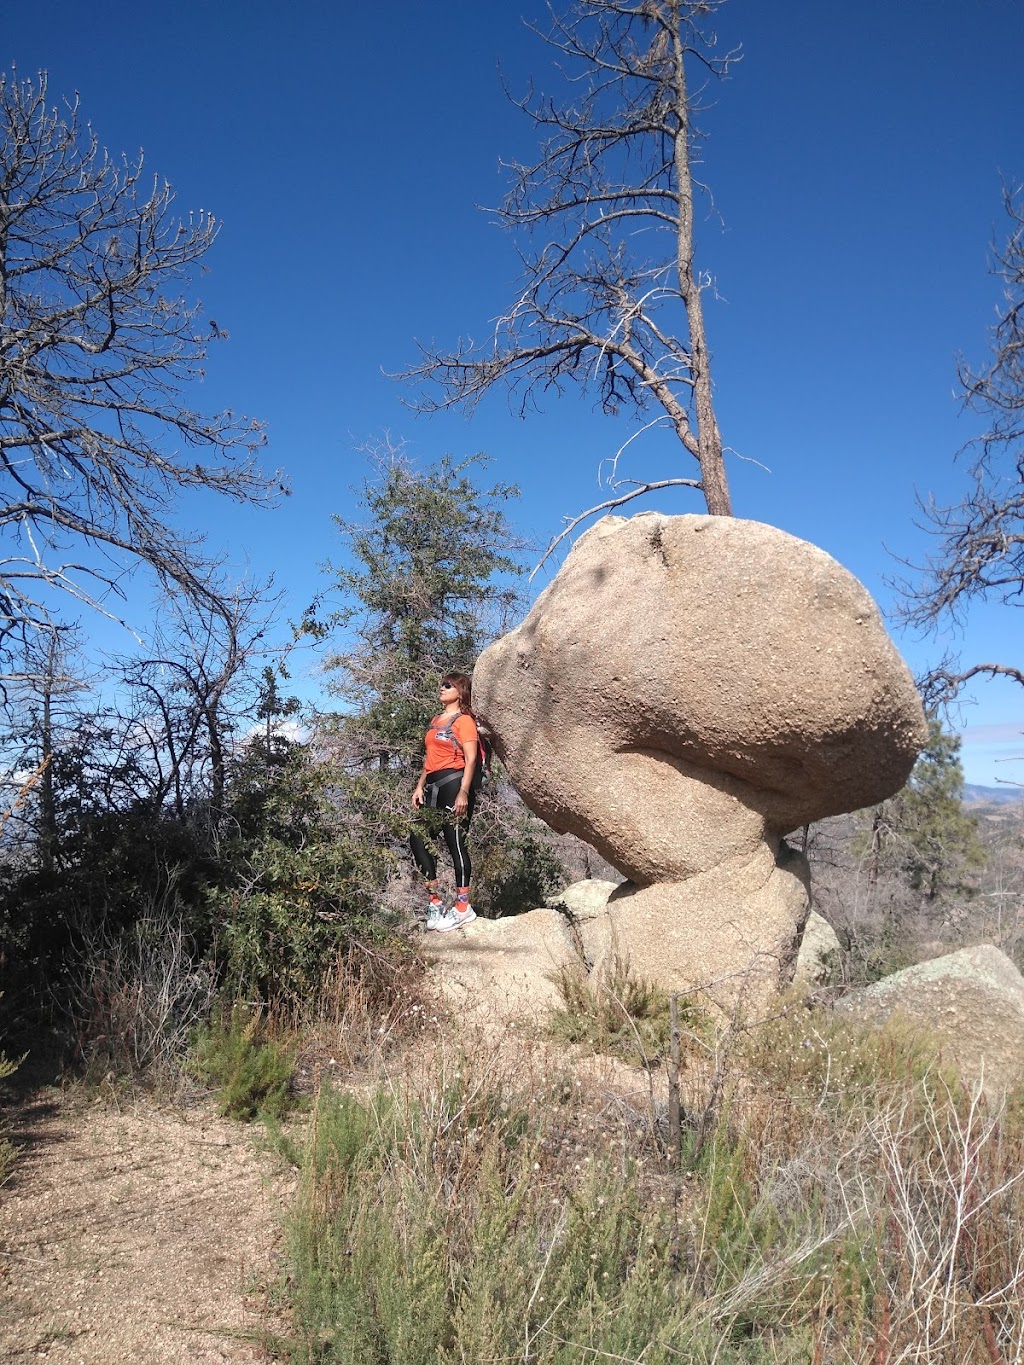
(417, 796)
(461, 804)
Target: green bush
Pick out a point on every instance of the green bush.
(252, 1072)
(436, 1230)
(112, 869)
(514, 870)
(302, 874)
(426, 1237)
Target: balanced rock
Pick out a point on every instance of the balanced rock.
(687, 690)
(971, 1003)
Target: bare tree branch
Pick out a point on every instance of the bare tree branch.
(613, 179)
(980, 550)
(618, 501)
(942, 685)
(98, 339)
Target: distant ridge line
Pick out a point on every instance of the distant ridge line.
(977, 795)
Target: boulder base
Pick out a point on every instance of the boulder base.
(731, 933)
(971, 1003)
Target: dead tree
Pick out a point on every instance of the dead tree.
(188, 692)
(99, 337)
(610, 300)
(980, 550)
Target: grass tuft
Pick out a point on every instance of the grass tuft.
(250, 1068)
(620, 1013)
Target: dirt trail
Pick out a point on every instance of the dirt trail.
(148, 1235)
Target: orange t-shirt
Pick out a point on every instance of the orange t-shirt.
(442, 751)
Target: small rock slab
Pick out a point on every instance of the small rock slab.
(970, 1002)
(585, 899)
(499, 970)
(819, 961)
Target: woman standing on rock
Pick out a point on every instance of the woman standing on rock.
(446, 785)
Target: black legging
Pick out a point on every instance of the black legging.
(439, 815)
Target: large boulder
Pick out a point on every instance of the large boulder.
(686, 691)
(970, 1003)
(688, 683)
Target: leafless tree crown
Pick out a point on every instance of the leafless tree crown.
(98, 338)
(610, 297)
(981, 540)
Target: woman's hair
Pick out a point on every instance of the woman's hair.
(463, 684)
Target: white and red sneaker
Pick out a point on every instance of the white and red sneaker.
(460, 914)
(435, 913)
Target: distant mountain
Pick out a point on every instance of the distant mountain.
(975, 795)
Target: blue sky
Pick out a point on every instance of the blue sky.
(855, 157)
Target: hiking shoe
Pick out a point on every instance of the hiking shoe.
(435, 914)
(454, 918)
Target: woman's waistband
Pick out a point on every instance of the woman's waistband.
(443, 774)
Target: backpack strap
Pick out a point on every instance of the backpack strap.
(482, 751)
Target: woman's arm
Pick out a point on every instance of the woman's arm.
(471, 749)
(417, 793)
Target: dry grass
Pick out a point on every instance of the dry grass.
(850, 1203)
(135, 1001)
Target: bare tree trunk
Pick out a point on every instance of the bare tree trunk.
(610, 299)
(674, 1124)
(709, 439)
(876, 851)
(47, 835)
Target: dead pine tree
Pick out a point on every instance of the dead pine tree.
(610, 300)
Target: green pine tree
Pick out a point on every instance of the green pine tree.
(923, 833)
(428, 581)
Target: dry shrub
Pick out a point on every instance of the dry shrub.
(372, 999)
(135, 1000)
(918, 1184)
(619, 1012)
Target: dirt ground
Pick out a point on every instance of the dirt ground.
(147, 1235)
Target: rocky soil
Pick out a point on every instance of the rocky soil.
(149, 1235)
